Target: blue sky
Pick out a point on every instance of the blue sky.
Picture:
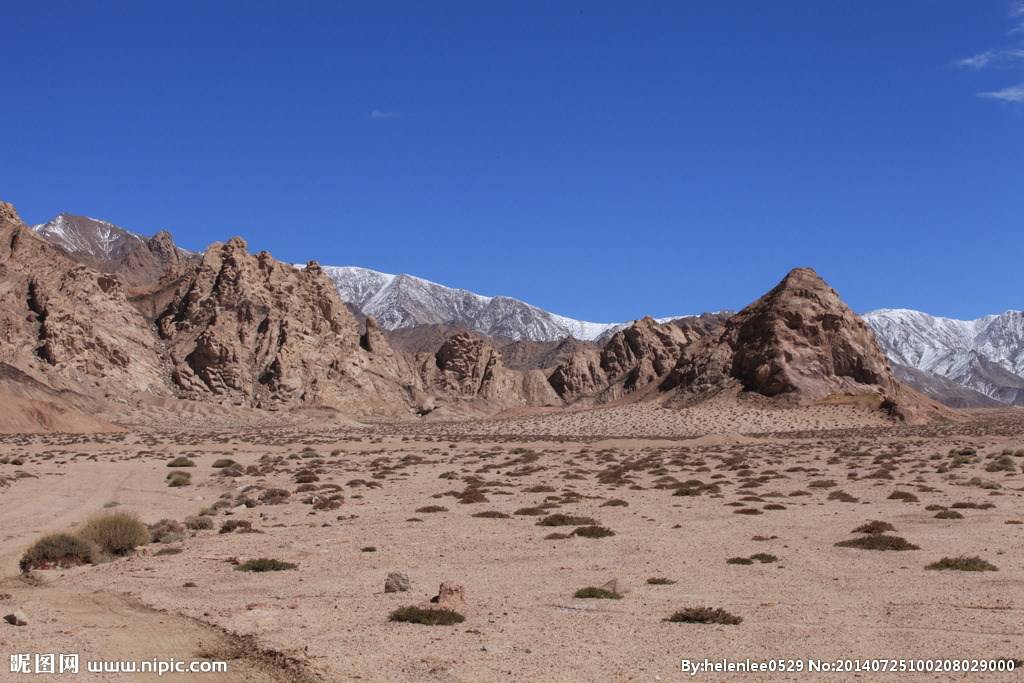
(602, 160)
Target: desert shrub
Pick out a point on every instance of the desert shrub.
(874, 527)
(181, 461)
(1004, 463)
(763, 558)
(470, 496)
(704, 615)
(597, 593)
(905, 496)
(232, 525)
(166, 531)
(432, 508)
(948, 514)
(306, 478)
(559, 519)
(739, 560)
(842, 497)
(964, 564)
(878, 542)
(179, 479)
(972, 506)
(274, 496)
(221, 463)
(58, 550)
(614, 503)
(593, 531)
(427, 617)
(491, 514)
(116, 533)
(531, 512)
(265, 564)
(199, 522)
(660, 581)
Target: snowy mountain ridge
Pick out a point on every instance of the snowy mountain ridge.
(986, 354)
(403, 300)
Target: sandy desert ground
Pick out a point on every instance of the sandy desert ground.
(494, 506)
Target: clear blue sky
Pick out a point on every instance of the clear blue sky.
(602, 160)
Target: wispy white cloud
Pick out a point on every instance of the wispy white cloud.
(380, 114)
(978, 61)
(1001, 57)
(1015, 93)
(991, 57)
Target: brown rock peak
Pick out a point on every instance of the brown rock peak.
(799, 340)
(8, 214)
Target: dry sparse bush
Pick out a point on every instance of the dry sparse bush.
(878, 542)
(874, 527)
(964, 564)
(427, 617)
(116, 533)
(596, 593)
(704, 615)
(265, 564)
(58, 550)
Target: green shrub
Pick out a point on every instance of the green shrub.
(559, 519)
(58, 550)
(491, 514)
(265, 564)
(427, 617)
(874, 527)
(116, 533)
(598, 593)
(704, 615)
(878, 542)
(964, 564)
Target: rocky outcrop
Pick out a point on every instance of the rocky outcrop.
(469, 366)
(799, 341)
(69, 324)
(249, 329)
(635, 358)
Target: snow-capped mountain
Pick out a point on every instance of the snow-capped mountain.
(88, 236)
(399, 301)
(986, 355)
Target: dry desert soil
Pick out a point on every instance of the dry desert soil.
(501, 507)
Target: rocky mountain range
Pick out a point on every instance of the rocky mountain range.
(402, 301)
(984, 357)
(94, 312)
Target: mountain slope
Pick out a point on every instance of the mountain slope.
(108, 248)
(985, 355)
(400, 301)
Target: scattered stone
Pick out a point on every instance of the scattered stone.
(16, 618)
(396, 582)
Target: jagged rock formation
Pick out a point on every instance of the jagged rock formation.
(246, 328)
(67, 324)
(799, 341)
(632, 359)
(469, 366)
(138, 261)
